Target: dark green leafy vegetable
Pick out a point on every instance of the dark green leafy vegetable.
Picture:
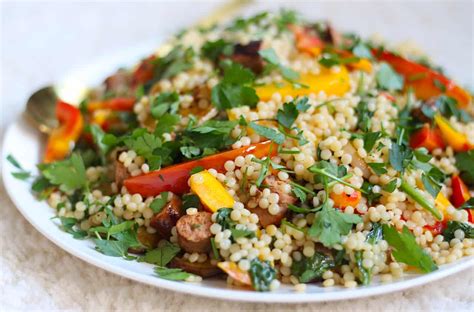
(22, 174)
(213, 50)
(272, 60)
(453, 226)
(269, 133)
(375, 234)
(369, 194)
(312, 268)
(329, 59)
(165, 102)
(166, 124)
(406, 250)
(69, 225)
(464, 163)
(261, 274)
(378, 168)
(363, 274)
(159, 203)
(176, 61)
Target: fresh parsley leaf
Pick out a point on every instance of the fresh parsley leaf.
(390, 186)
(272, 59)
(98, 137)
(375, 234)
(159, 203)
(190, 201)
(22, 174)
(213, 50)
(453, 226)
(166, 124)
(171, 274)
(364, 116)
(370, 138)
(312, 268)
(237, 233)
(161, 256)
(261, 274)
(388, 79)
(406, 250)
(330, 224)
(269, 133)
(163, 103)
(68, 174)
(362, 50)
(234, 90)
(287, 116)
(69, 226)
(176, 61)
(400, 155)
(329, 59)
(112, 248)
(378, 168)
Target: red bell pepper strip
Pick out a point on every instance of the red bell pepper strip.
(437, 228)
(422, 79)
(175, 178)
(62, 139)
(460, 191)
(470, 217)
(428, 138)
(115, 104)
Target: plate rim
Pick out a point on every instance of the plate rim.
(233, 294)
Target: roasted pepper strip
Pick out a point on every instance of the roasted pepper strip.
(457, 140)
(329, 82)
(306, 42)
(210, 191)
(428, 138)
(175, 178)
(235, 272)
(62, 139)
(344, 200)
(460, 191)
(115, 104)
(424, 80)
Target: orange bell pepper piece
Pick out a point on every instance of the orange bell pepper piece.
(344, 200)
(457, 140)
(210, 191)
(326, 80)
(427, 138)
(175, 178)
(460, 191)
(235, 272)
(115, 104)
(306, 42)
(62, 139)
(423, 79)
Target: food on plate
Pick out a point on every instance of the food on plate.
(269, 151)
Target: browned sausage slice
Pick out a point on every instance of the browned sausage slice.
(205, 269)
(148, 240)
(194, 233)
(121, 173)
(164, 221)
(276, 186)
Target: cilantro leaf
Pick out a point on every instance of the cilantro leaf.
(176, 61)
(261, 274)
(159, 203)
(22, 174)
(287, 116)
(214, 49)
(388, 79)
(69, 226)
(166, 101)
(406, 250)
(166, 124)
(375, 234)
(329, 59)
(330, 224)
(98, 136)
(161, 256)
(362, 50)
(171, 274)
(378, 168)
(68, 174)
(112, 248)
(234, 89)
(272, 59)
(369, 194)
(269, 133)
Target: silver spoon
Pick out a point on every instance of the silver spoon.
(41, 106)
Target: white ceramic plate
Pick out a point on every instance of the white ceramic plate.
(25, 143)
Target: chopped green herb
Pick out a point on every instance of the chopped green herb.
(388, 79)
(378, 168)
(375, 234)
(363, 274)
(261, 274)
(453, 226)
(312, 268)
(68, 174)
(161, 256)
(159, 203)
(171, 274)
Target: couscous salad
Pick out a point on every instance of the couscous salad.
(268, 151)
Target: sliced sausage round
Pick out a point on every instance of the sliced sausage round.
(164, 220)
(194, 233)
(276, 186)
(205, 269)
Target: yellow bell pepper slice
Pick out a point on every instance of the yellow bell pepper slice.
(457, 140)
(362, 64)
(442, 203)
(327, 81)
(210, 191)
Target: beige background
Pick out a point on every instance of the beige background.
(41, 41)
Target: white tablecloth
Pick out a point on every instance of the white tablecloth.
(42, 41)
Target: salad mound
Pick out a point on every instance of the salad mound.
(269, 150)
